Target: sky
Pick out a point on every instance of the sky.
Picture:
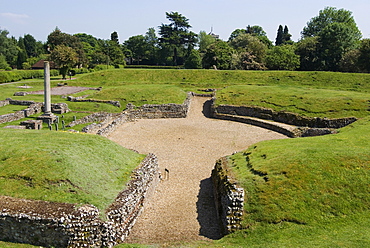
(129, 18)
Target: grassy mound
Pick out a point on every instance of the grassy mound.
(305, 101)
(300, 189)
(63, 167)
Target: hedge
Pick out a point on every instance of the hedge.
(17, 75)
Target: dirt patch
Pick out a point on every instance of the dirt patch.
(182, 208)
(61, 90)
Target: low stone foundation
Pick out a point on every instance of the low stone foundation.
(81, 99)
(283, 117)
(67, 225)
(229, 198)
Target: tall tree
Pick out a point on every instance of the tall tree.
(114, 37)
(8, 47)
(64, 57)
(236, 33)
(205, 40)
(336, 33)
(286, 35)
(176, 35)
(364, 57)
(30, 46)
(280, 36)
(218, 54)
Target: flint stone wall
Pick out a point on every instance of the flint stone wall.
(66, 225)
(148, 111)
(283, 117)
(229, 198)
(81, 99)
(33, 108)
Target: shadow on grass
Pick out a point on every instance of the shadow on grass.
(207, 214)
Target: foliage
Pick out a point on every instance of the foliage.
(250, 52)
(336, 33)
(194, 60)
(17, 75)
(176, 35)
(3, 63)
(283, 36)
(205, 40)
(349, 61)
(65, 58)
(307, 49)
(218, 54)
(8, 47)
(364, 57)
(282, 58)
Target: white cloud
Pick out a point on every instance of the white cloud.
(17, 18)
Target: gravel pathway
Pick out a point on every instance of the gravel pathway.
(182, 207)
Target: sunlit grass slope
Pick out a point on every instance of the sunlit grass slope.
(306, 192)
(305, 101)
(63, 167)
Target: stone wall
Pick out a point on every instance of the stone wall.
(81, 99)
(31, 110)
(4, 103)
(67, 225)
(229, 198)
(283, 117)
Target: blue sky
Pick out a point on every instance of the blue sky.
(100, 18)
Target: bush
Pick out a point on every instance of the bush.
(17, 75)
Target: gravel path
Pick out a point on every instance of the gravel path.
(182, 207)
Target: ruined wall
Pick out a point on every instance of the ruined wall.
(81, 99)
(67, 225)
(229, 198)
(31, 110)
(283, 117)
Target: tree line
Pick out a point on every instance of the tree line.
(330, 41)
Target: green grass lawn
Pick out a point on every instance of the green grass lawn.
(63, 167)
(305, 101)
(313, 192)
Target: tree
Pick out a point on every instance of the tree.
(114, 37)
(138, 47)
(65, 58)
(280, 36)
(236, 33)
(8, 47)
(328, 16)
(152, 41)
(349, 61)
(218, 54)
(58, 38)
(364, 56)
(307, 49)
(205, 40)
(176, 35)
(251, 44)
(30, 46)
(193, 61)
(286, 35)
(282, 58)
(336, 33)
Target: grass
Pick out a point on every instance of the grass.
(54, 166)
(305, 101)
(314, 192)
(309, 188)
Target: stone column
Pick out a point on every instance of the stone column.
(48, 116)
(47, 95)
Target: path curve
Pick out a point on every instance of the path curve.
(182, 207)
